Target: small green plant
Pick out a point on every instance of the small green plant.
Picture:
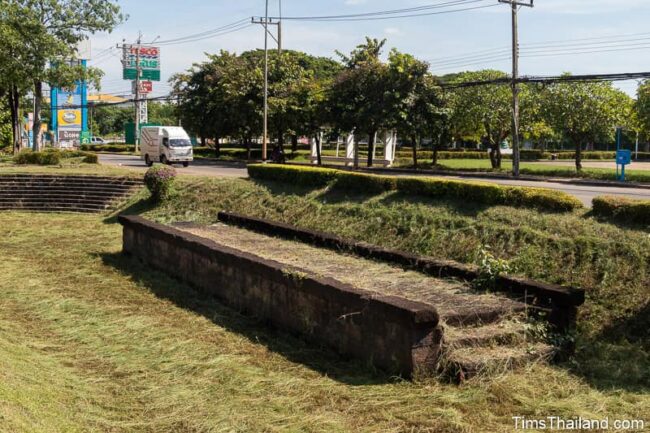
(490, 269)
(160, 181)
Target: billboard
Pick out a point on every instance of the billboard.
(146, 87)
(69, 108)
(149, 62)
(69, 137)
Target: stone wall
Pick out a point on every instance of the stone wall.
(560, 304)
(394, 334)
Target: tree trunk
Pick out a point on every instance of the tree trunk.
(356, 151)
(203, 141)
(414, 145)
(248, 148)
(578, 156)
(217, 147)
(14, 107)
(294, 143)
(434, 160)
(38, 100)
(318, 150)
(281, 140)
(371, 147)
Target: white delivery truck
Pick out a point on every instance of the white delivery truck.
(166, 144)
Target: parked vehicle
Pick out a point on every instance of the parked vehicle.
(165, 144)
(97, 140)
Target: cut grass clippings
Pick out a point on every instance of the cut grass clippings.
(93, 341)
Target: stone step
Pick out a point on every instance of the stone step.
(72, 185)
(52, 209)
(484, 315)
(500, 333)
(467, 362)
(66, 200)
(63, 192)
(70, 178)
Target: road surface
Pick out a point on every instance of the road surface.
(197, 168)
(584, 193)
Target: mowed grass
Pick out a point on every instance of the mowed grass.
(66, 168)
(542, 169)
(93, 341)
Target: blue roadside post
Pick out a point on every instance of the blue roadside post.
(623, 156)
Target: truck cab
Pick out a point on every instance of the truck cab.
(165, 144)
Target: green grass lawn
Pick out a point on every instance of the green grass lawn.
(542, 169)
(66, 168)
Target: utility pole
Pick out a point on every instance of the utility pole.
(265, 21)
(138, 71)
(516, 155)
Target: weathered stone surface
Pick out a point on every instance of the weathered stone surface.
(393, 333)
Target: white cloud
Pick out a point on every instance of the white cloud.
(392, 31)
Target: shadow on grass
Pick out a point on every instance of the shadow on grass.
(282, 188)
(619, 356)
(618, 222)
(293, 348)
(465, 208)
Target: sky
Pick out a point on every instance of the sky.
(450, 42)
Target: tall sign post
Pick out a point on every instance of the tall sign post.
(516, 155)
(141, 64)
(69, 106)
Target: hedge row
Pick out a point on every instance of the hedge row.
(108, 147)
(53, 157)
(485, 193)
(626, 210)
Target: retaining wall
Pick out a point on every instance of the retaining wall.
(392, 333)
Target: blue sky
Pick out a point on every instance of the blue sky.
(429, 38)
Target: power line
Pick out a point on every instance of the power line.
(397, 13)
(219, 31)
(594, 78)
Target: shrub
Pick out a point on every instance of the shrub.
(160, 180)
(90, 158)
(296, 175)
(627, 210)
(364, 183)
(46, 157)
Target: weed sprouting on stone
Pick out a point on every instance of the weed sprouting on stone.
(490, 269)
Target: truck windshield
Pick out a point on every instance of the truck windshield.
(179, 142)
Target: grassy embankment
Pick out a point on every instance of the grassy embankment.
(92, 341)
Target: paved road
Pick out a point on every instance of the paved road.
(197, 168)
(222, 169)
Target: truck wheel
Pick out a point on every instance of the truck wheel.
(163, 160)
(186, 164)
(148, 160)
